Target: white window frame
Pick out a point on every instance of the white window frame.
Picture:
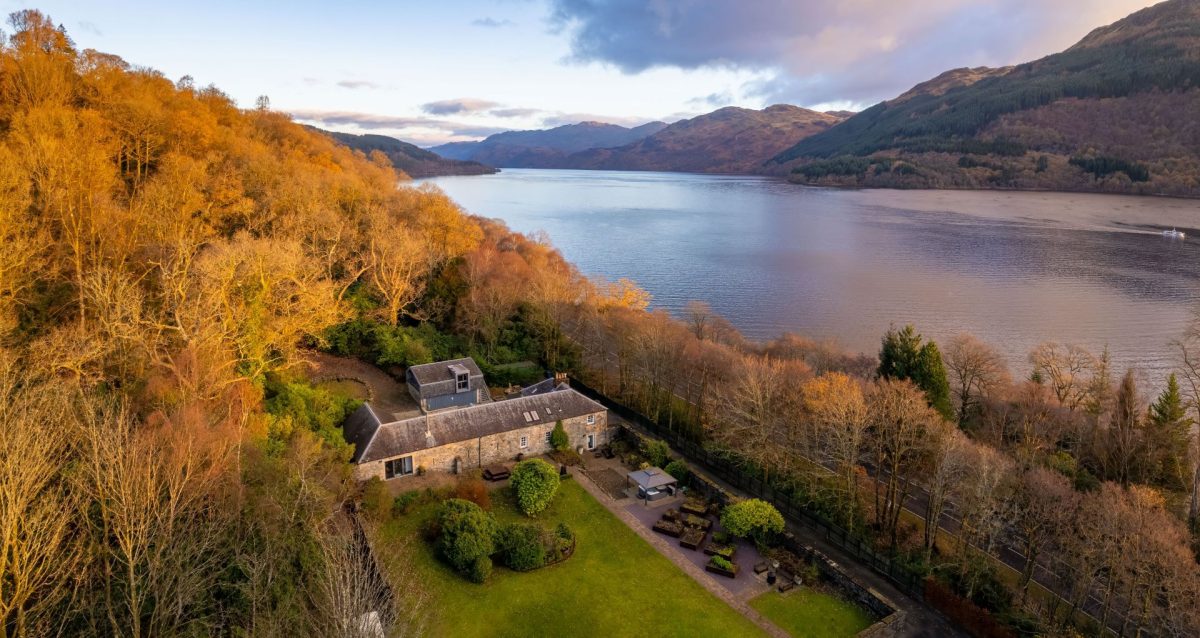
(591, 419)
(524, 442)
(405, 464)
(591, 441)
(462, 382)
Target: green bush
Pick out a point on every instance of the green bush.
(535, 483)
(559, 439)
(679, 470)
(521, 546)
(754, 519)
(564, 532)
(480, 570)
(722, 563)
(657, 453)
(467, 534)
(293, 404)
(407, 501)
(375, 500)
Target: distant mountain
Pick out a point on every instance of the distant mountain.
(728, 140)
(1117, 112)
(545, 148)
(414, 161)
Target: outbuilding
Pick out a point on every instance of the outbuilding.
(652, 483)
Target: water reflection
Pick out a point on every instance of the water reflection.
(1013, 268)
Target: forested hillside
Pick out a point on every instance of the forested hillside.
(412, 160)
(728, 140)
(168, 259)
(1021, 127)
(545, 148)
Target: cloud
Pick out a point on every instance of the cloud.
(822, 51)
(358, 84)
(492, 23)
(425, 130)
(458, 105)
(722, 98)
(563, 119)
(89, 27)
(514, 112)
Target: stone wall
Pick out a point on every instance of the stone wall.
(496, 448)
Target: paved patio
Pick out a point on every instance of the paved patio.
(746, 586)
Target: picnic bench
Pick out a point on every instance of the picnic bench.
(496, 472)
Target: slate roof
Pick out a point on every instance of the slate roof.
(375, 441)
(427, 373)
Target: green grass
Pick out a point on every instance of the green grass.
(812, 614)
(346, 388)
(616, 584)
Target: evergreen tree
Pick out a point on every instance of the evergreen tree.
(1169, 430)
(904, 356)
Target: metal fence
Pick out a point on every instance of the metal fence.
(724, 469)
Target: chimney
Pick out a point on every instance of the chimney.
(560, 378)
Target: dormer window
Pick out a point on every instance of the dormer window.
(462, 381)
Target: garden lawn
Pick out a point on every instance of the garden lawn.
(812, 614)
(615, 584)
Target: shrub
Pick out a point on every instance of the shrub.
(559, 439)
(521, 546)
(534, 482)
(474, 490)
(722, 563)
(405, 503)
(754, 519)
(375, 500)
(721, 537)
(657, 453)
(567, 457)
(564, 532)
(679, 470)
(467, 534)
(480, 569)
(619, 447)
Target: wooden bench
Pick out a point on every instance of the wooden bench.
(496, 472)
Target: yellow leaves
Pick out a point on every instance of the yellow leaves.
(623, 294)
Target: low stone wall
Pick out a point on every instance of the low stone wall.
(878, 604)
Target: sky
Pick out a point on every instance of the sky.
(436, 71)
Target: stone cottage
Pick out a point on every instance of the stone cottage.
(458, 433)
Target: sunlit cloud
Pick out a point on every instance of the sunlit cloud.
(457, 105)
(826, 51)
(357, 84)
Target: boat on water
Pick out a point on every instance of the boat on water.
(1173, 234)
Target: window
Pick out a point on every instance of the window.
(591, 419)
(527, 417)
(535, 415)
(463, 381)
(524, 442)
(591, 440)
(548, 434)
(398, 467)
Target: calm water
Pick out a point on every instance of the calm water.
(1016, 269)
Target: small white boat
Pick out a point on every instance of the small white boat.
(1173, 234)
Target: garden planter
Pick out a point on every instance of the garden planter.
(728, 573)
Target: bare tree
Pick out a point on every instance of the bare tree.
(1068, 369)
(976, 372)
(835, 404)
